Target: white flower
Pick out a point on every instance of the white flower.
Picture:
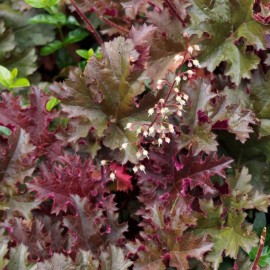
(179, 113)
(167, 140)
(176, 90)
(163, 111)
(161, 101)
(142, 168)
(178, 98)
(128, 126)
(178, 57)
(124, 146)
(151, 111)
(190, 49)
(112, 176)
(159, 84)
(171, 129)
(135, 169)
(185, 97)
(145, 133)
(184, 78)
(162, 127)
(177, 79)
(139, 154)
(151, 130)
(196, 47)
(190, 72)
(160, 142)
(190, 64)
(182, 102)
(145, 153)
(103, 162)
(196, 63)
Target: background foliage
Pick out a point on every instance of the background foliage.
(144, 140)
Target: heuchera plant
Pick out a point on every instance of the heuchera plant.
(153, 156)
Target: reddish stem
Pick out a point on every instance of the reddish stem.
(120, 28)
(259, 253)
(174, 11)
(89, 26)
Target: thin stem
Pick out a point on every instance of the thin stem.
(170, 91)
(174, 11)
(122, 29)
(89, 26)
(259, 253)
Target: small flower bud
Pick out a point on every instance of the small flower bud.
(135, 169)
(138, 154)
(142, 168)
(190, 72)
(190, 64)
(177, 79)
(103, 162)
(178, 98)
(190, 49)
(178, 57)
(160, 142)
(112, 176)
(145, 153)
(196, 47)
(176, 90)
(179, 113)
(161, 101)
(151, 130)
(167, 140)
(129, 125)
(184, 78)
(145, 133)
(151, 111)
(171, 128)
(182, 102)
(196, 63)
(185, 97)
(159, 84)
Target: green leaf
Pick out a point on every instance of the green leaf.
(5, 76)
(7, 40)
(24, 61)
(42, 3)
(265, 256)
(52, 103)
(51, 47)
(103, 98)
(14, 73)
(5, 131)
(72, 21)
(264, 129)
(243, 195)
(114, 259)
(18, 259)
(21, 82)
(3, 251)
(84, 53)
(55, 19)
(226, 22)
(75, 36)
(230, 238)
